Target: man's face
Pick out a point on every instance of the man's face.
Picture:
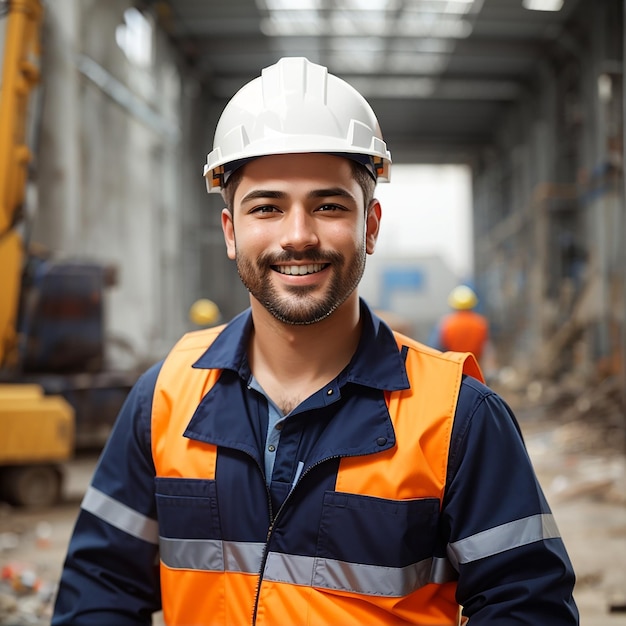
(300, 233)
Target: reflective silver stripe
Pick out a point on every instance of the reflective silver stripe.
(121, 516)
(442, 571)
(211, 555)
(354, 577)
(521, 532)
(289, 568)
(217, 556)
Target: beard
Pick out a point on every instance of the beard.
(300, 305)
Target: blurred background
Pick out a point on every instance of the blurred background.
(505, 120)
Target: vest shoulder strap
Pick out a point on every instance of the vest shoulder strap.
(178, 382)
(422, 416)
(470, 364)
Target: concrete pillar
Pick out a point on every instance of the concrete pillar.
(59, 168)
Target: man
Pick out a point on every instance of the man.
(303, 465)
(463, 329)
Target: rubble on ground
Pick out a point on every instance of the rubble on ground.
(586, 415)
(27, 589)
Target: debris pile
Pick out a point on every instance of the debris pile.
(589, 415)
(27, 589)
(25, 599)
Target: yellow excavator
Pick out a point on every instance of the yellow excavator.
(37, 430)
(58, 397)
(55, 392)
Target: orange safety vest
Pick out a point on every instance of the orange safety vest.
(464, 331)
(414, 468)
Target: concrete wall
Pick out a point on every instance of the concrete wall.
(206, 269)
(119, 173)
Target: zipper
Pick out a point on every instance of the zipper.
(272, 525)
(267, 542)
(257, 593)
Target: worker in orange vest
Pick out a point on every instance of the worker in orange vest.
(302, 463)
(464, 329)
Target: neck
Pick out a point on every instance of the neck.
(307, 355)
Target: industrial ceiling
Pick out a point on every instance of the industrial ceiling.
(440, 74)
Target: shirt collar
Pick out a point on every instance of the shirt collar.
(377, 363)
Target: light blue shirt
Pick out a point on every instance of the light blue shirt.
(275, 423)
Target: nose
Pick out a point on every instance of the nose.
(299, 229)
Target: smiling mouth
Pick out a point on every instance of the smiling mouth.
(300, 270)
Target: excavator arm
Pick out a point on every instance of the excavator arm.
(37, 430)
(20, 74)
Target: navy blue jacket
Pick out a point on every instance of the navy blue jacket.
(111, 572)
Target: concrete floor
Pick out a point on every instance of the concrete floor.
(587, 493)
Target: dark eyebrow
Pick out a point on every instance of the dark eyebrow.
(332, 192)
(263, 193)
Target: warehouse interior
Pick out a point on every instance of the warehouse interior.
(528, 96)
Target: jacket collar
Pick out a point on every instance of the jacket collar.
(377, 363)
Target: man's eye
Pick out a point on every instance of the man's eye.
(266, 208)
(331, 207)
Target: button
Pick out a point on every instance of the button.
(271, 448)
(381, 441)
(279, 426)
(329, 392)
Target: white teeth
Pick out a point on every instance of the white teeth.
(300, 270)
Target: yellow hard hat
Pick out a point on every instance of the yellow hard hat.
(462, 298)
(204, 312)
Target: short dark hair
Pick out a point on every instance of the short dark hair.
(360, 173)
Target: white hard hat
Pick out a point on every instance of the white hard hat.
(296, 106)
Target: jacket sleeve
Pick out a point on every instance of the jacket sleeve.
(500, 532)
(110, 575)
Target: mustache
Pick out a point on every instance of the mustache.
(311, 256)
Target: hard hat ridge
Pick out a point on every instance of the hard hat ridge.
(294, 77)
(296, 106)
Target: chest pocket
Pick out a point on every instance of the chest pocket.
(187, 508)
(377, 531)
(375, 545)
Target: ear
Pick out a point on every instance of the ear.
(229, 233)
(374, 212)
